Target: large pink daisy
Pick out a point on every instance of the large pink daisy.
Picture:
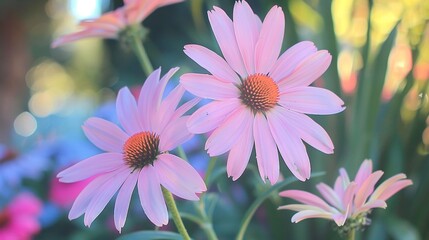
(110, 24)
(139, 155)
(260, 98)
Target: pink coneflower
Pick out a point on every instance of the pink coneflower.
(259, 97)
(110, 24)
(139, 155)
(18, 220)
(348, 200)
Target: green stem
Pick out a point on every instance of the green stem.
(351, 235)
(207, 226)
(138, 48)
(210, 168)
(175, 213)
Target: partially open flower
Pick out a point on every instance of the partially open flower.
(349, 202)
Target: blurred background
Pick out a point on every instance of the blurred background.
(380, 69)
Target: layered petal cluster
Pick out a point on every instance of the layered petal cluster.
(110, 24)
(138, 154)
(348, 199)
(260, 98)
(19, 219)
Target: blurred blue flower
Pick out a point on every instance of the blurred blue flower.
(15, 166)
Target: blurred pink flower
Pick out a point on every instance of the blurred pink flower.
(63, 194)
(139, 155)
(110, 24)
(347, 200)
(259, 97)
(18, 220)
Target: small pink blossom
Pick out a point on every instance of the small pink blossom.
(138, 155)
(63, 194)
(19, 219)
(348, 199)
(260, 98)
(110, 24)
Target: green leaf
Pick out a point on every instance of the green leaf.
(151, 235)
(257, 203)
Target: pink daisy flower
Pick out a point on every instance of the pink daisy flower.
(348, 200)
(258, 97)
(110, 24)
(139, 154)
(18, 220)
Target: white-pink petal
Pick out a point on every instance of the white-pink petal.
(239, 155)
(306, 214)
(366, 188)
(266, 150)
(212, 62)
(311, 100)
(103, 195)
(223, 30)
(363, 173)
(309, 70)
(146, 100)
(329, 195)
(211, 115)
(290, 59)
(151, 197)
(174, 134)
(307, 129)
(104, 134)
(290, 146)
(126, 109)
(98, 164)
(179, 177)
(123, 199)
(246, 30)
(270, 40)
(227, 134)
(208, 86)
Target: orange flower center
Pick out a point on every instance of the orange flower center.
(259, 92)
(141, 149)
(8, 156)
(4, 219)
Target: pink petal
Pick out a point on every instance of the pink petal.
(211, 115)
(345, 176)
(223, 30)
(306, 214)
(212, 63)
(87, 33)
(81, 203)
(227, 134)
(126, 108)
(340, 218)
(145, 8)
(103, 195)
(179, 177)
(364, 171)
(290, 146)
(349, 193)
(151, 197)
(329, 194)
(367, 206)
(290, 59)
(266, 151)
(306, 198)
(157, 98)
(310, 69)
(123, 200)
(174, 134)
(208, 86)
(312, 100)
(300, 207)
(98, 164)
(394, 188)
(239, 154)
(270, 40)
(367, 188)
(308, 130)
(246, 30)
(168, 107)
(146, 100)
(104, 134)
